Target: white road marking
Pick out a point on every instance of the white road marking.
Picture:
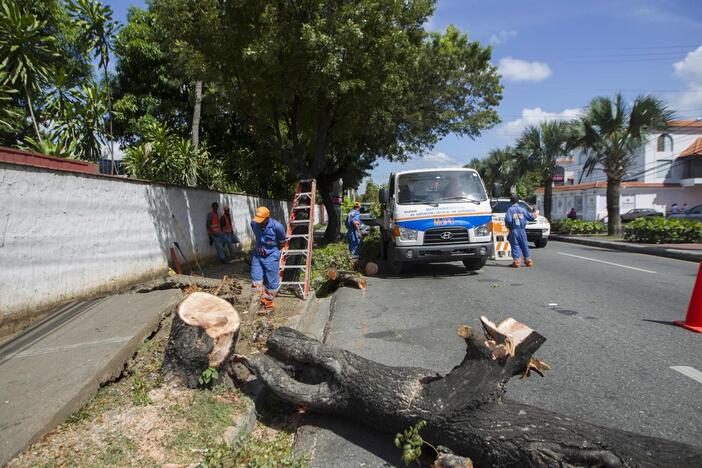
(607, 263)
(691, 372)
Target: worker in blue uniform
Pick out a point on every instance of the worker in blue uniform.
(516, 220)
(353, 232)
(270, 238)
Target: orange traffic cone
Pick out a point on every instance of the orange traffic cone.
(693, 321)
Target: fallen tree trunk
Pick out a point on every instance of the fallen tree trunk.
(203, 335)
(464, 410)
(346, 278)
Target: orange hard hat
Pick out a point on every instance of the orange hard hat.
(262, 213)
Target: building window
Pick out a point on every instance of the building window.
(571, 181)
(665, 143)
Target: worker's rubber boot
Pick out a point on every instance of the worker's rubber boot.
(529, 262)
(516, 264)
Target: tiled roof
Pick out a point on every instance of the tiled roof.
(591, 185)
(685, 123)
(695, 149)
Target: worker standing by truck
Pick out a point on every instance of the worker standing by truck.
(265, 262)
(353, 232)
(516, 219)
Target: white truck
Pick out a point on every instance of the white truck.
(435, 215)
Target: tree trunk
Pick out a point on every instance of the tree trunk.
(203, 335)
(548, 197)
(614, 222)
(195, 130)
(113, 170)
(332, 233)
(31, 113)
(464, 410)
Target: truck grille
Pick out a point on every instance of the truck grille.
(446, 235)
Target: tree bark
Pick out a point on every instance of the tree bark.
(614, 222)
(464, 410)
(113, 169)
(548, 197)
(331, 234)
(203, 335)
(31, 113)
(197, 109)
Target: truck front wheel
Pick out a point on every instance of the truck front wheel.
(474, 264)
(396, 267)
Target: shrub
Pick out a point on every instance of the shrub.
(659, 230)
(577, 226)
(335, 255)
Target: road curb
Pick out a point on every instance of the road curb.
(657, 251)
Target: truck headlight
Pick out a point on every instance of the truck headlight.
(482, 230)
(407, 234)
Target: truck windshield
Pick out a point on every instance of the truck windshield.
(440, 187)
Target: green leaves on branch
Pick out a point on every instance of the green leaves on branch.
(410, 442)
(166, 157)
(658, 230)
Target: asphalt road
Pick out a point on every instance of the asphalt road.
(606, 316)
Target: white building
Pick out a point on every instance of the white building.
(666, 170)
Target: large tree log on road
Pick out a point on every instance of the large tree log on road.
(465, 409)
(203, 335)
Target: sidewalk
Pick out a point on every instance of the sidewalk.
(57, 366)
(689, 252)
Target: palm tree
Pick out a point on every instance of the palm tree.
(98, 28)
(611, 132)
(504, 166)
(25, 54)
(543, 146)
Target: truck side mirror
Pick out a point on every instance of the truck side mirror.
(496, 189)
(383, 196)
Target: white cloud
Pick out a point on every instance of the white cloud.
(511, 130)
(521, 70)
(503, 36)
(689, 103)
(437, 158)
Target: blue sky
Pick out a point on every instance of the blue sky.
(556, 55)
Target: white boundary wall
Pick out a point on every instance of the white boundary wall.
(65, 235)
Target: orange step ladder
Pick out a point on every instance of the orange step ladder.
(296, 256)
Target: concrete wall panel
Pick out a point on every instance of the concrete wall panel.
(65, 235)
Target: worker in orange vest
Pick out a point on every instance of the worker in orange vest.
(214, 229)
(228, 229)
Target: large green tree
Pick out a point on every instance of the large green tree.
(328, 87)
(611, 132)
(26, 54)
(98, 30)
(191, 31)
(544, 145)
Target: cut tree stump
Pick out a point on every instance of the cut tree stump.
(204, 332)
(465, 410)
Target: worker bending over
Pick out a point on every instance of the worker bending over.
(515, 220)
(265, 263)
(353, 232)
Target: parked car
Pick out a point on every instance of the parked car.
(366, 214)
(639, 213)
(693, 213)
(537, 231)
